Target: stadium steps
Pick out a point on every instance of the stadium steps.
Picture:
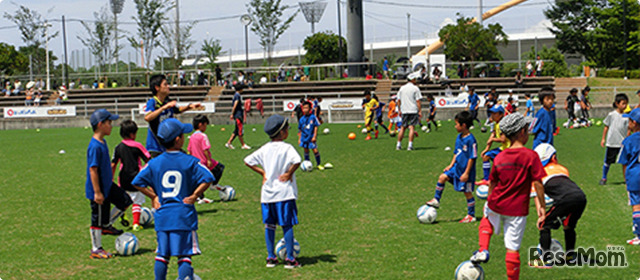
(214, 93)
(383, 89)
(563, 85)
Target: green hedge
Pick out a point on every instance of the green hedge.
(633, 74)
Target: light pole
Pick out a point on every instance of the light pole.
(246, 20)
(116, 8)
(46, 36)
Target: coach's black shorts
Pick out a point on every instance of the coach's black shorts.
(565, 212)
(611, 155)
(410, 120)
(100, 213)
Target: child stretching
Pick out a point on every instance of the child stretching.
(129, 153)
(514, 170)
(615, 129)
(461, 172)
(279, 160)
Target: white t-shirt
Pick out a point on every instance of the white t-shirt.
(617, 129)
(408, 95)
(276, 158)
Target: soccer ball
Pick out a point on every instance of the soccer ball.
(228, 193)
(469, 271)
(352, 136)
(326, 131)
(483, 129)
(364, 130)
(548, 201)
(127, 244)
(482, 192)
(146, 216)
(598, 123)
(427, 214)
(555, 248)
(424, 128)
(306, 166)
(281, 249)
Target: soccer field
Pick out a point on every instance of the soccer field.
(357, 221)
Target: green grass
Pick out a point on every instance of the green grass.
(357, 221)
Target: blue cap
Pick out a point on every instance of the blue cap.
(171, 128)
(497, 109)
(634, 115)
(101, 115)
(274, 125)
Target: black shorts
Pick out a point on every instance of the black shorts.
(239, 130)
(217, 173)
(100, 213)
(431, 117)
(565, 212)
(611, 155)
(379, 119)
(410, 120)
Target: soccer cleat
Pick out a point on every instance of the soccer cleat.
(110, 230)
(320, 167)
(220, 188)
(124, 222)
(409, 148)
(434, 203)
(603, 182)
(204, 200)
(367, 138)
(272, 262)
(328, 165)
(480, 256)
(635, 241)
(429, 130)
(245, 147)
(539, 263)
(229, 146)
(137, 227)
(101, 254)
(398, 148)
(467, 219)
(482, 182)
(290, 264)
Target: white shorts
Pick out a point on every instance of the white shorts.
(137, 197)
(513, 227)
(395, 120)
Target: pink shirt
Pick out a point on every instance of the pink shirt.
(198, 143)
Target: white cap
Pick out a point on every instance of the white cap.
(545, 152)
(414, 75)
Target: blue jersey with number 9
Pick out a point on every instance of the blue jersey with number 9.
(174, 176)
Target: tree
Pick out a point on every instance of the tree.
(594, 29)
(555, 63)
(149, 18)
(471, 41)
(12, 61)
(100, 39)
(322, 47)
(267, 22)
(169, 46)
(31, 25)
(212, 49)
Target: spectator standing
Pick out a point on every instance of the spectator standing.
(385, 68)
(539, 65)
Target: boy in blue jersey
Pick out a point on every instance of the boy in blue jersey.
(308, 133)
(630, 159)
(531, 111)
(276, 162)
(473, 105)
(174, 181)
(378, 117)
(461, 172)
(432, 113)
(99, 186)
(158, 109)
(543, 124)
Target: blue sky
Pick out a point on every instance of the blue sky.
(384, 20)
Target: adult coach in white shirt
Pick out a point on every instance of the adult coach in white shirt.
(409, 108)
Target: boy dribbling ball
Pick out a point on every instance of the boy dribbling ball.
(277, 162)
(174, 181)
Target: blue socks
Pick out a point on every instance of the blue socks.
(306, 156)
(486, 168)
(288, 239)
(439, 190)
(605, 170)
(318, 158)
(185, 270)
(269, 238)
(636, 223)
(471, 207)
(160, 269)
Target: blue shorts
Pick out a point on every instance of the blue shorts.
(177, 243)
(308, 145)
(634, 197)
(283, 213)
(454, 179)
(493, 153)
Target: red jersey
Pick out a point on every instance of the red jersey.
(513, 172)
